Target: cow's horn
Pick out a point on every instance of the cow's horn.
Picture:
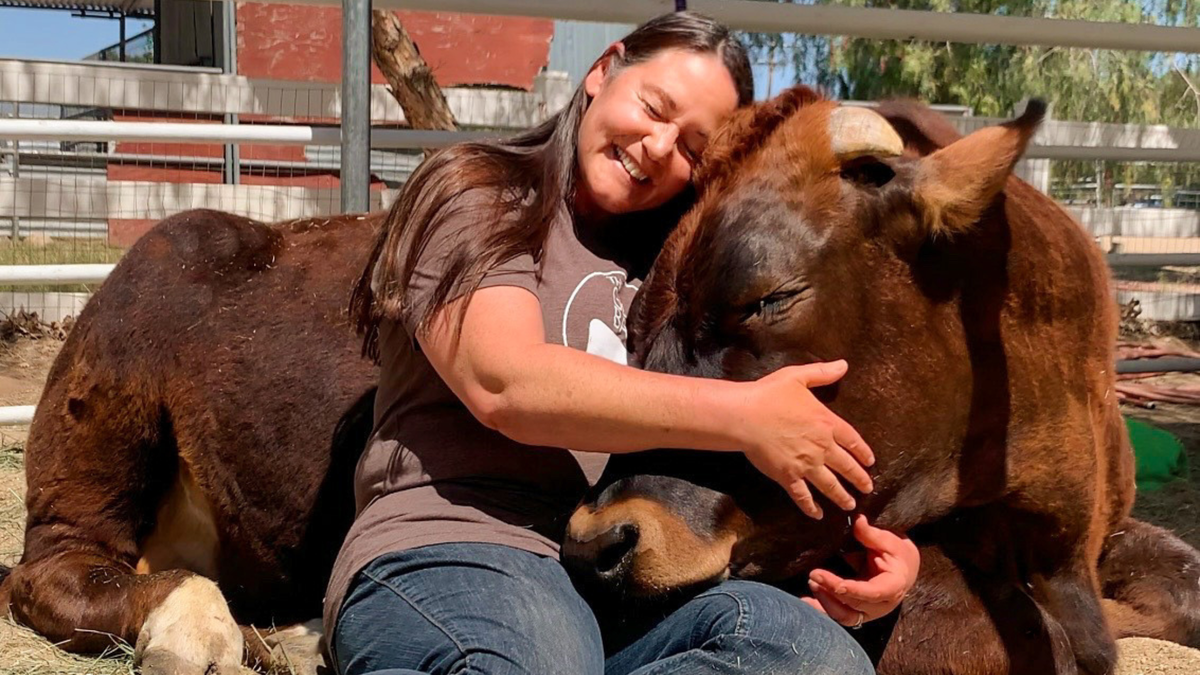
(860, 132)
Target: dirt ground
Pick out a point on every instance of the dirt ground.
(23, 368)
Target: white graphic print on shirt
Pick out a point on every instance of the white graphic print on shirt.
(604, 340)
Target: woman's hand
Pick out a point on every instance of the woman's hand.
(886, 574)
(795, 440)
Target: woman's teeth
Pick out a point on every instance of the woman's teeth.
(630, 166)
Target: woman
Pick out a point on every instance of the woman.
(498, 281)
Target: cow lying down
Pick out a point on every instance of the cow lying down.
(189, 466)
(978, 320)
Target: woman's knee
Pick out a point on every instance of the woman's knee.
(466, 608)
(753, 616)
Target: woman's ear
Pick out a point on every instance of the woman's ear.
(601, 69)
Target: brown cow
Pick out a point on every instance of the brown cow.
(202, 422)
(977, 319)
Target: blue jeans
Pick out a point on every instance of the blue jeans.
(482, 608)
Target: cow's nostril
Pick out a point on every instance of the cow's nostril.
(615, 546)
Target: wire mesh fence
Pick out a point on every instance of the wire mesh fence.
(88, 201)
(1149, 229)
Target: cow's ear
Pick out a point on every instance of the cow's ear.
(956, 184)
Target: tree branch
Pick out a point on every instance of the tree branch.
(409, 78)
(1191, 87)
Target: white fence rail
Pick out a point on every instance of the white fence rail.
(31, 275)
(1063, 139)
(1139, 222)
(1055, 140)
(176, 90)
(176, 132)
(16, 414)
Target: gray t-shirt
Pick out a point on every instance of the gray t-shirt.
(433, 474)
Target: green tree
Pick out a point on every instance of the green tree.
(1081, 84)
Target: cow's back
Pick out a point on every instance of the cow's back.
(1037, 300)
(1061, 319)
(219, 350)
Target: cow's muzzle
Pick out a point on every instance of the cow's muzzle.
(601, 558)
(636, 547)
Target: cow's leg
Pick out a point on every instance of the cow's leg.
(1070, 595)
(1150, 580)
(177, 621)
(191, 631)
(100, 461)
(1056, 557)
(1049, 531)
(959, 620)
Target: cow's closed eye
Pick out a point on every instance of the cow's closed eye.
(771, 305)
(868, 172)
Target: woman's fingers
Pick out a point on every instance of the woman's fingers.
(890, 553)
(876, 538)
(887, 588)
(820, 374)
(805, 447)
(890, 568)
(815, 604)
(824, 480)
(800, 494)
(838, 459)
(837, 610)
(825, 578)
(845, 436)
(851, 603)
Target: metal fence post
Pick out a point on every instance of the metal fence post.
(356, 108)
(233, 163)
(16, 174)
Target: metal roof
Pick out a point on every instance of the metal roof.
(128, 7)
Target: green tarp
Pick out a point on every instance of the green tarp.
(1159, 454)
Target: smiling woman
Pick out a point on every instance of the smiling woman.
(646, 127)
(495, 300)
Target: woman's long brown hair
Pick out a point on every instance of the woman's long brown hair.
(532, 174)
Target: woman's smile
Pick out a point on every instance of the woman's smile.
(629, 165)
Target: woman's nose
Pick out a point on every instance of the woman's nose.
(660, 143)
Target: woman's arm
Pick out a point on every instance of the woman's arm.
(506, 374)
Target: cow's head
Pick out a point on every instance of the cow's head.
(816, 237)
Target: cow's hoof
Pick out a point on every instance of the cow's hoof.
(297, 649)
(190, 633)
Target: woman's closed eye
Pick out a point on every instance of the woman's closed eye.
(653, 110)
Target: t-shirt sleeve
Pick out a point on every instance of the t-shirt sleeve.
(466, 221)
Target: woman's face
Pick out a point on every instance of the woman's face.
(645, 128)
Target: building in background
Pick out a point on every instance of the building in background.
(247, 63)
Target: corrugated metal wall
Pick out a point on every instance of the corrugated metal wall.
(577, 45)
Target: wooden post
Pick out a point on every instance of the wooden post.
(409, 77)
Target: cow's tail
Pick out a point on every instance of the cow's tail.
(1150, 580)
